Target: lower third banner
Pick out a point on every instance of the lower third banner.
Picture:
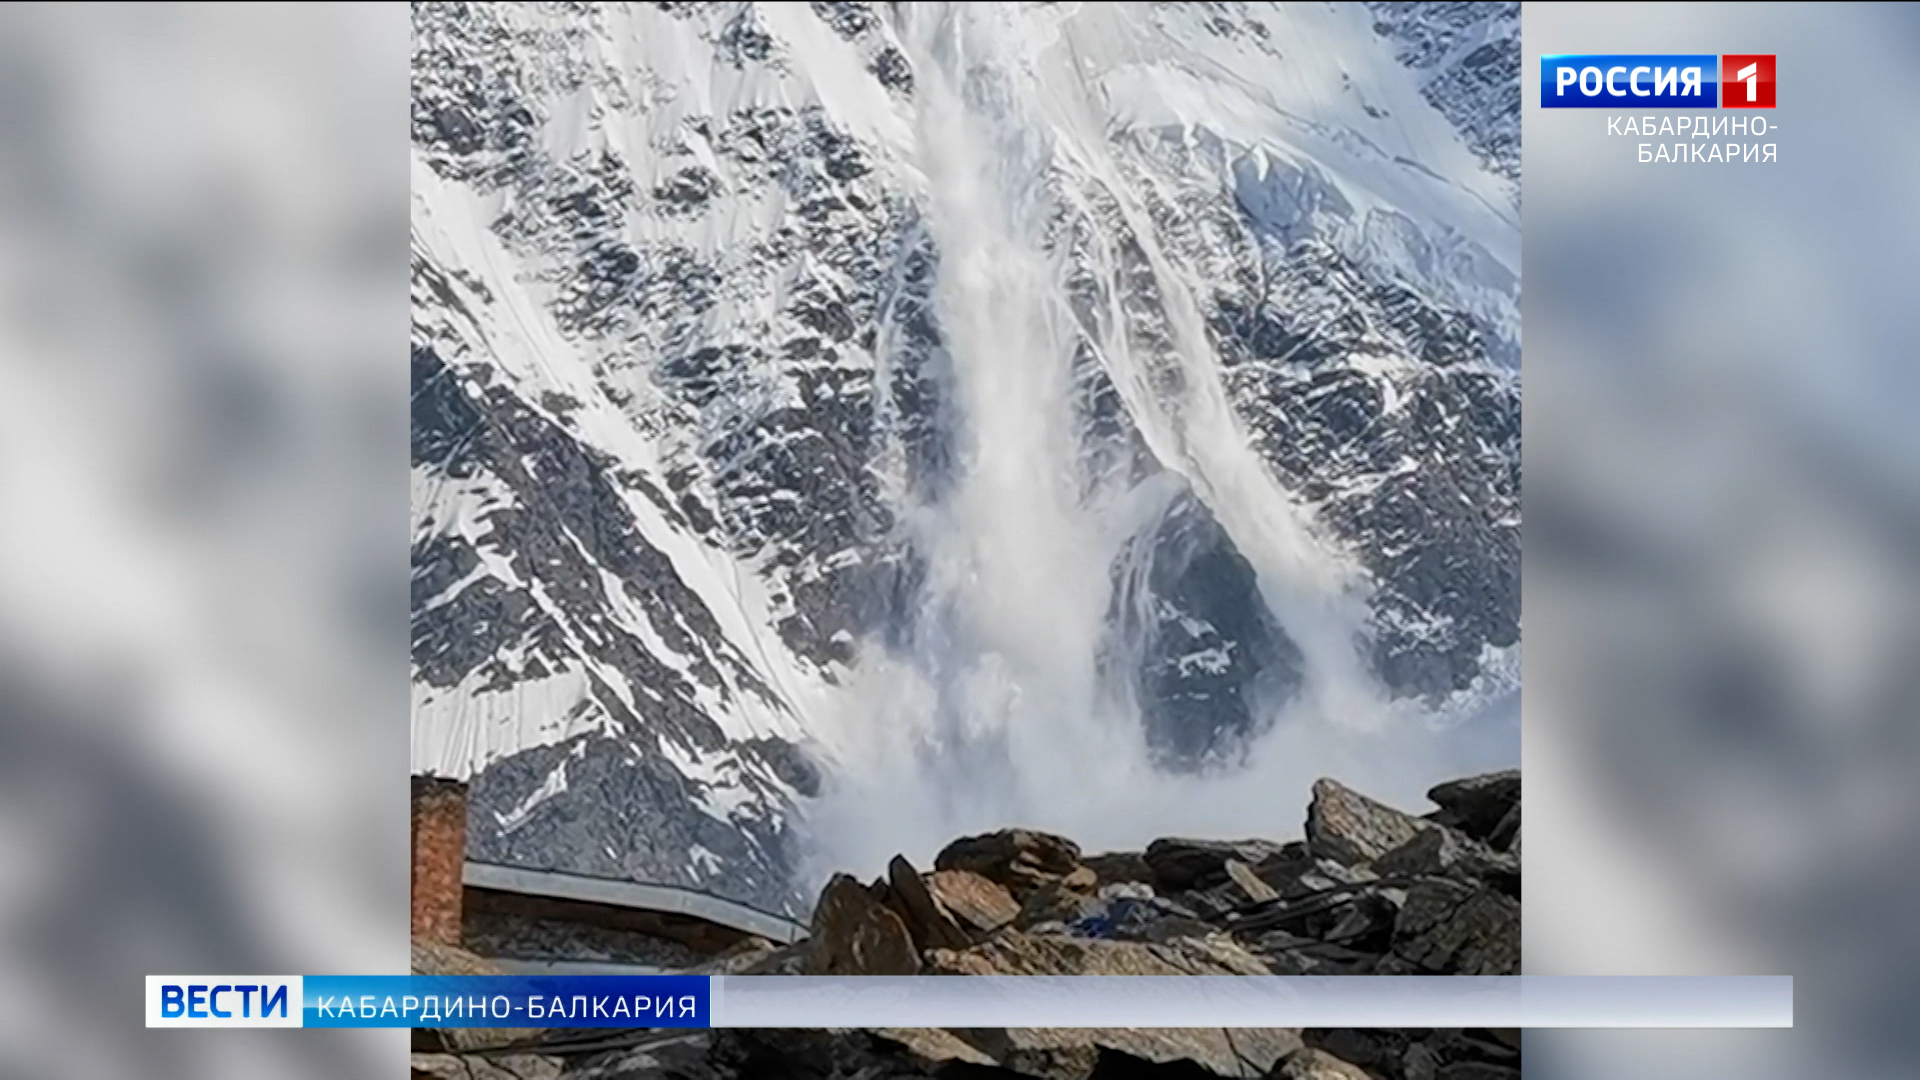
(618, 1001)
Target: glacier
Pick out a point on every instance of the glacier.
(840, 426)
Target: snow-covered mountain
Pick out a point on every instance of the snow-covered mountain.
(969, 370)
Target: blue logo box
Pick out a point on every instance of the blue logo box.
(1637, 81)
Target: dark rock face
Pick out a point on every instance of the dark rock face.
(1478, 804)
(1179, 865)
(649, 809)
(1451, 928)
(927, 919)
(1116, 867)
(1442, 852)
(575, 544)
(1208, 657)
(1441, 538)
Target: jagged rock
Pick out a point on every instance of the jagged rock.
(1419, 1063)
(1427, 906)
(433, 958)
(1311, 1064)
(1292, 954)
(1115, 867)
(936, 1045)
(980, 906)
(1450, 928)
(1082, 878)
(1020, 859)
(484, 1067)
(930, 924)
(1476, 804)
(1357, 917)
(1349, 828)
(855, 933)
(1016, 952)
(1442, 852)
(1506, 835)
(1168, 928)
(1179, 864)
(1213, 954)
(1367, 924)
(792, 1054)
(1377, 1051)
(1073, 1054)
(1051, 1054)
(1077, 1053)
(1429, 902)
(1057, 902)
(1477, 1070)
(1294, 876)
(1257, 890)
(1294, 873)
(687, 1055)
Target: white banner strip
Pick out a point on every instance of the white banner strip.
(1355, 1001)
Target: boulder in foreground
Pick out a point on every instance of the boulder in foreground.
(1020, 859)
(1347, 827)
(855, 933)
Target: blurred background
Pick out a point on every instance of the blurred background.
(203, 616)
(203, 540)
(1722, 555)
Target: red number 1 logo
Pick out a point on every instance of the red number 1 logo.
(1746, 81)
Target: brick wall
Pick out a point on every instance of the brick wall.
(439, 851)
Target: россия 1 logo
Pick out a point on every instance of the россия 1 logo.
(1690, 81)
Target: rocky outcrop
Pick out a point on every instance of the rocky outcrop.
(1116, 867)
(1079, 1053)
(492, 1067)
(1311, 1064)
(856, 933)
(1478, 805)
(1059, 902)
(1186, 864)
(1451, 928)
(1442, 852)
(980, 906)
(1020, 859)
(1506, 835)
(1421, 1055)
(1347, 827)
(1253, 885)
(927, 919)
(1373, 890)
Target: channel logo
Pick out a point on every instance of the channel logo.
(223, 1000)
(1746, 81)
(1648, 81)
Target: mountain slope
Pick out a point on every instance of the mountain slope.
(1093, 364)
